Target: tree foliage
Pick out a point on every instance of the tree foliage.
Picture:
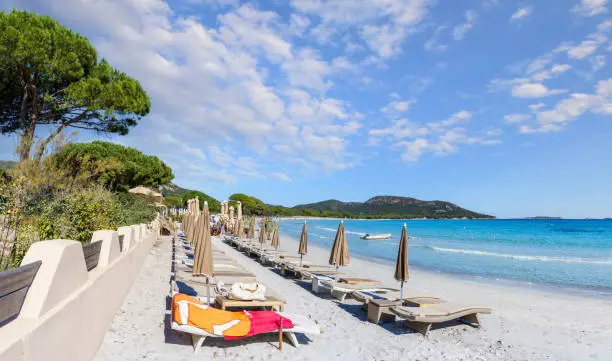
(50, 75)
(250, 205)
(113, 165)
(213, 204)
(174, 201)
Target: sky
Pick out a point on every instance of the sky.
(499, 106)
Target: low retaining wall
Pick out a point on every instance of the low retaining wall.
(67, 310)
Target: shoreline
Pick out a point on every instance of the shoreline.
(572, 290)
(440, 219)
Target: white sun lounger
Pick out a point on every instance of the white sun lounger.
(301, 324)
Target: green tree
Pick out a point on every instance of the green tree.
(113, 165)
(50, 75)
(173, 201)
(213, 204)
(250, 205)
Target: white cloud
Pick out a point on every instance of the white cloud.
(413, 149)
(432, 44)
(382, 25)
(298, 25)
(535, 75)
(280, 176)
(460, 30)
(459, 117)
(582, 50)
(537, 106)
(385, 40)
(571, 108)
(534, 90)
(440, 138)
(597, 62)
(397, 106)
(516, 118)
(521, 13)
(548, 74)
(591, 7)
(546, 128)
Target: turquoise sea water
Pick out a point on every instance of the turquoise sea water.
(574, 253)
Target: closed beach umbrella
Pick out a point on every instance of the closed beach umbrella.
(339, 254)
(203, 260)
(275, 237)
(401, 266)
(303, 248)
(262, 232)
(251, 233)
(240, 228)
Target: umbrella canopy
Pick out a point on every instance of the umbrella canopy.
(303, 249)
(262, 232)
(148, 192)
(339, 254)
(251, 233)
(275, 237)
(203, 259)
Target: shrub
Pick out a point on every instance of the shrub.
(76, 215)
(136, 209)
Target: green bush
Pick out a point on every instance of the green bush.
(136, 209)
(76, 215)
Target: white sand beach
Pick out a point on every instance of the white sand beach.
(527, 323)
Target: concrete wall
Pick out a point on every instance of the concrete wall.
(68, 310)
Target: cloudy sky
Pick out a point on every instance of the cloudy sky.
(500, 106)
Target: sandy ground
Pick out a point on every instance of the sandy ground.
(527, 323)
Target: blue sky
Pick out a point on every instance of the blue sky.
(499, 106)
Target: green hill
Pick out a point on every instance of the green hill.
(393, 207)
(177, 196)
(376, 207)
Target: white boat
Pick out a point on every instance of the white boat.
(376, 236)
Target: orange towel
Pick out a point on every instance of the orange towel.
(209, 319)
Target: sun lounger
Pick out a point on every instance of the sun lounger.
(420, 319)
(340, 290)
(307, 271)
(340, 286)
(300, 323)
(391, 294)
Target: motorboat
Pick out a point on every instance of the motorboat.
(372, 237)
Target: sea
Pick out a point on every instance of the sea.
(571, 254)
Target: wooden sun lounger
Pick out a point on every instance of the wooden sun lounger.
(420, 319)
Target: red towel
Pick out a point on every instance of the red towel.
(262, 322)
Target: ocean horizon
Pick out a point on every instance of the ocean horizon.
(566, 253)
